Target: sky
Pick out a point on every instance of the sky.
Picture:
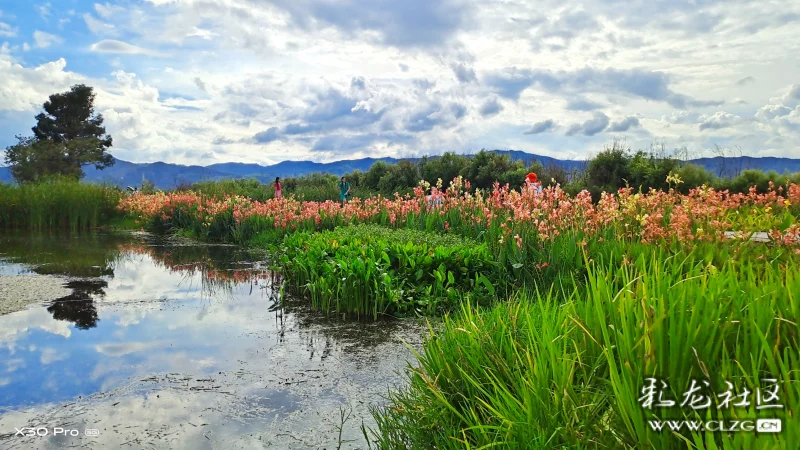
(263, 81)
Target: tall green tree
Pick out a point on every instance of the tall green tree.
(609, 170)
(68, 135)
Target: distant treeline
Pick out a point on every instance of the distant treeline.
(611, 169)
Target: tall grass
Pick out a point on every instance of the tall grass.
(549, 372)
(57, 204)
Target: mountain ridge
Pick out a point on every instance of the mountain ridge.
(168, 175)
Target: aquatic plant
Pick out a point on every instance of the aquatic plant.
(512, 223)
(368, 270)
(59, 203)
(544, 371)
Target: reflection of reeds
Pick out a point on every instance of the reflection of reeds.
(217, 278)
(64, 253)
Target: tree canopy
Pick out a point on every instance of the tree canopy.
(67, 136)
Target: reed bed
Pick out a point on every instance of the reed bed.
(57, 204)
(547, 371)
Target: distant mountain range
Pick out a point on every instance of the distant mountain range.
(166, 175)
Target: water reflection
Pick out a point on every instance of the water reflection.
(67, 254)
(79, 307)
(176, 346)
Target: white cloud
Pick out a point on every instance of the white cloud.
(7, 30)
(50, 355)
(720, 119)
(120, 349)
(201, 33)
(44, 10)
(769, 112)
(99, 27)
(44, 40)
(105, 11)
(275, 80)
(114, 46)
(27, 89)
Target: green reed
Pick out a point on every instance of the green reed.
(57, 204)
(553, 371)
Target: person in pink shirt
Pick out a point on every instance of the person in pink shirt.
(278, 193)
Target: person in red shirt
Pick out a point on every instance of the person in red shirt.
(278, 193)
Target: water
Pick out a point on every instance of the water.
(167, 345)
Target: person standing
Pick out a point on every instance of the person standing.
(278, 191)
(531, 182)
(344, 190)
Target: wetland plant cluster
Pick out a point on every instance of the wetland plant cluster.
(58, 203)
(557, 307)
(547, 370)
(561, 307)
(373, 270)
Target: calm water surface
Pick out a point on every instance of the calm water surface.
(167, 345)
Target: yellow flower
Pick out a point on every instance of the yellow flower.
(787, 203)
(674, 178)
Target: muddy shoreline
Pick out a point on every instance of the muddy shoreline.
(18, 292)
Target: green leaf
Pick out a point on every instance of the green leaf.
(488, 284)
